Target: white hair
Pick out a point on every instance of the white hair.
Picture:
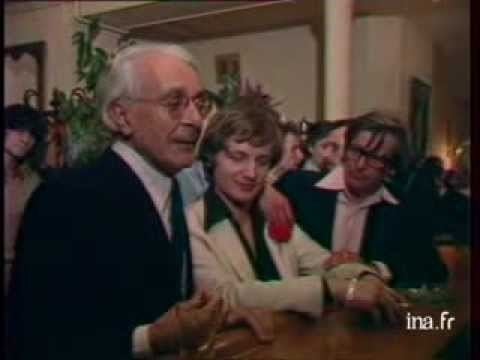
(120, 78)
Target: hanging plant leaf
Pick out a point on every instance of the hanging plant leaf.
(77, 37)
(87, 58)
(80, 76)
(80, 42)
(94, 28)
(92, 76)
(89, 137)
(101, 54)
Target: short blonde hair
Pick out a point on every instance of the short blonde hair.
(246, 120)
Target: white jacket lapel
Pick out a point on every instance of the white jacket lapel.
(230, 251)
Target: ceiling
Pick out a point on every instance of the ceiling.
(447, 21)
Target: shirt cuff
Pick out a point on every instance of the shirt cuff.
(383, 270)
(141, 343)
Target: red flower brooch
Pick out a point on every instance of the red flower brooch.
(280, 232)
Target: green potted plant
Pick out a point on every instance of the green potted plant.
(87, 135)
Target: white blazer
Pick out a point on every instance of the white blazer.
(221, 266)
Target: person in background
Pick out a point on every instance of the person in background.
(453, 225)
(193, 180)
(25, 132)
(103, 267)
(275, 205)
(350, 211)
(424, 185)
(325, 143)
(245, 260)
(422, 199)
(292, 153)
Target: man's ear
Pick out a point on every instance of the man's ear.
(118, 119)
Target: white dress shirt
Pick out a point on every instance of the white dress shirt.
(351, 214)
(158, 187)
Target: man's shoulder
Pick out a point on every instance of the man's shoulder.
(103, 177)
(303, 178)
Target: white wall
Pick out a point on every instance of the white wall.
(53, 23)
(418, 63)
(387, 52)
(283, 61)
(377, 64)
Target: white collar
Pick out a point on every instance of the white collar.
(310, 165)
(157, 183)
(335, 180)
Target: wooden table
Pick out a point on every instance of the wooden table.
(340, 336)
(344, 335)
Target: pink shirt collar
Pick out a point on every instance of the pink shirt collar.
(335, 180)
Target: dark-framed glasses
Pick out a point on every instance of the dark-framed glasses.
(354, 153)
(177, 101)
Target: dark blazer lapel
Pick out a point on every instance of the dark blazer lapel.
(376, 239)
(321, 215)
(127, 185)
(327, 218)
(314, 207)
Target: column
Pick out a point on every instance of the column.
(338, 19)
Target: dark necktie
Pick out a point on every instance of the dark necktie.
(181, 242)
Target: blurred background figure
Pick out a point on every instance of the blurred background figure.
(292, 152)
(325, 144)
(422, 197)
(453, 224)
(426, 181)
(25, 132)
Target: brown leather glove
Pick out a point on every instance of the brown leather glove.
(188, 324)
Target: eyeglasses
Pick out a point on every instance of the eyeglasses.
(177, 101)
(354, 153)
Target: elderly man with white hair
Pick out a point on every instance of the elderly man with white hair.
(103, 267)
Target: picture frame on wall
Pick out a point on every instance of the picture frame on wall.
(24, 69)
(419, 116)
(227, 66)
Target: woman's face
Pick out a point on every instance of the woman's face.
(18, 143)
(240, 170)
(292, 154)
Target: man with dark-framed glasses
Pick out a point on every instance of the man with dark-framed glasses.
(352, 213)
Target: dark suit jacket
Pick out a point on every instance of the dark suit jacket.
(93, 262)
(385, 238)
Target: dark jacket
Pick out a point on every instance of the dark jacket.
(93, 262)
(386, 236)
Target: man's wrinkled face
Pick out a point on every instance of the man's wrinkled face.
(18, 142)
(367, 162)
(327, 152)
(163, 119)
(240, 170)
